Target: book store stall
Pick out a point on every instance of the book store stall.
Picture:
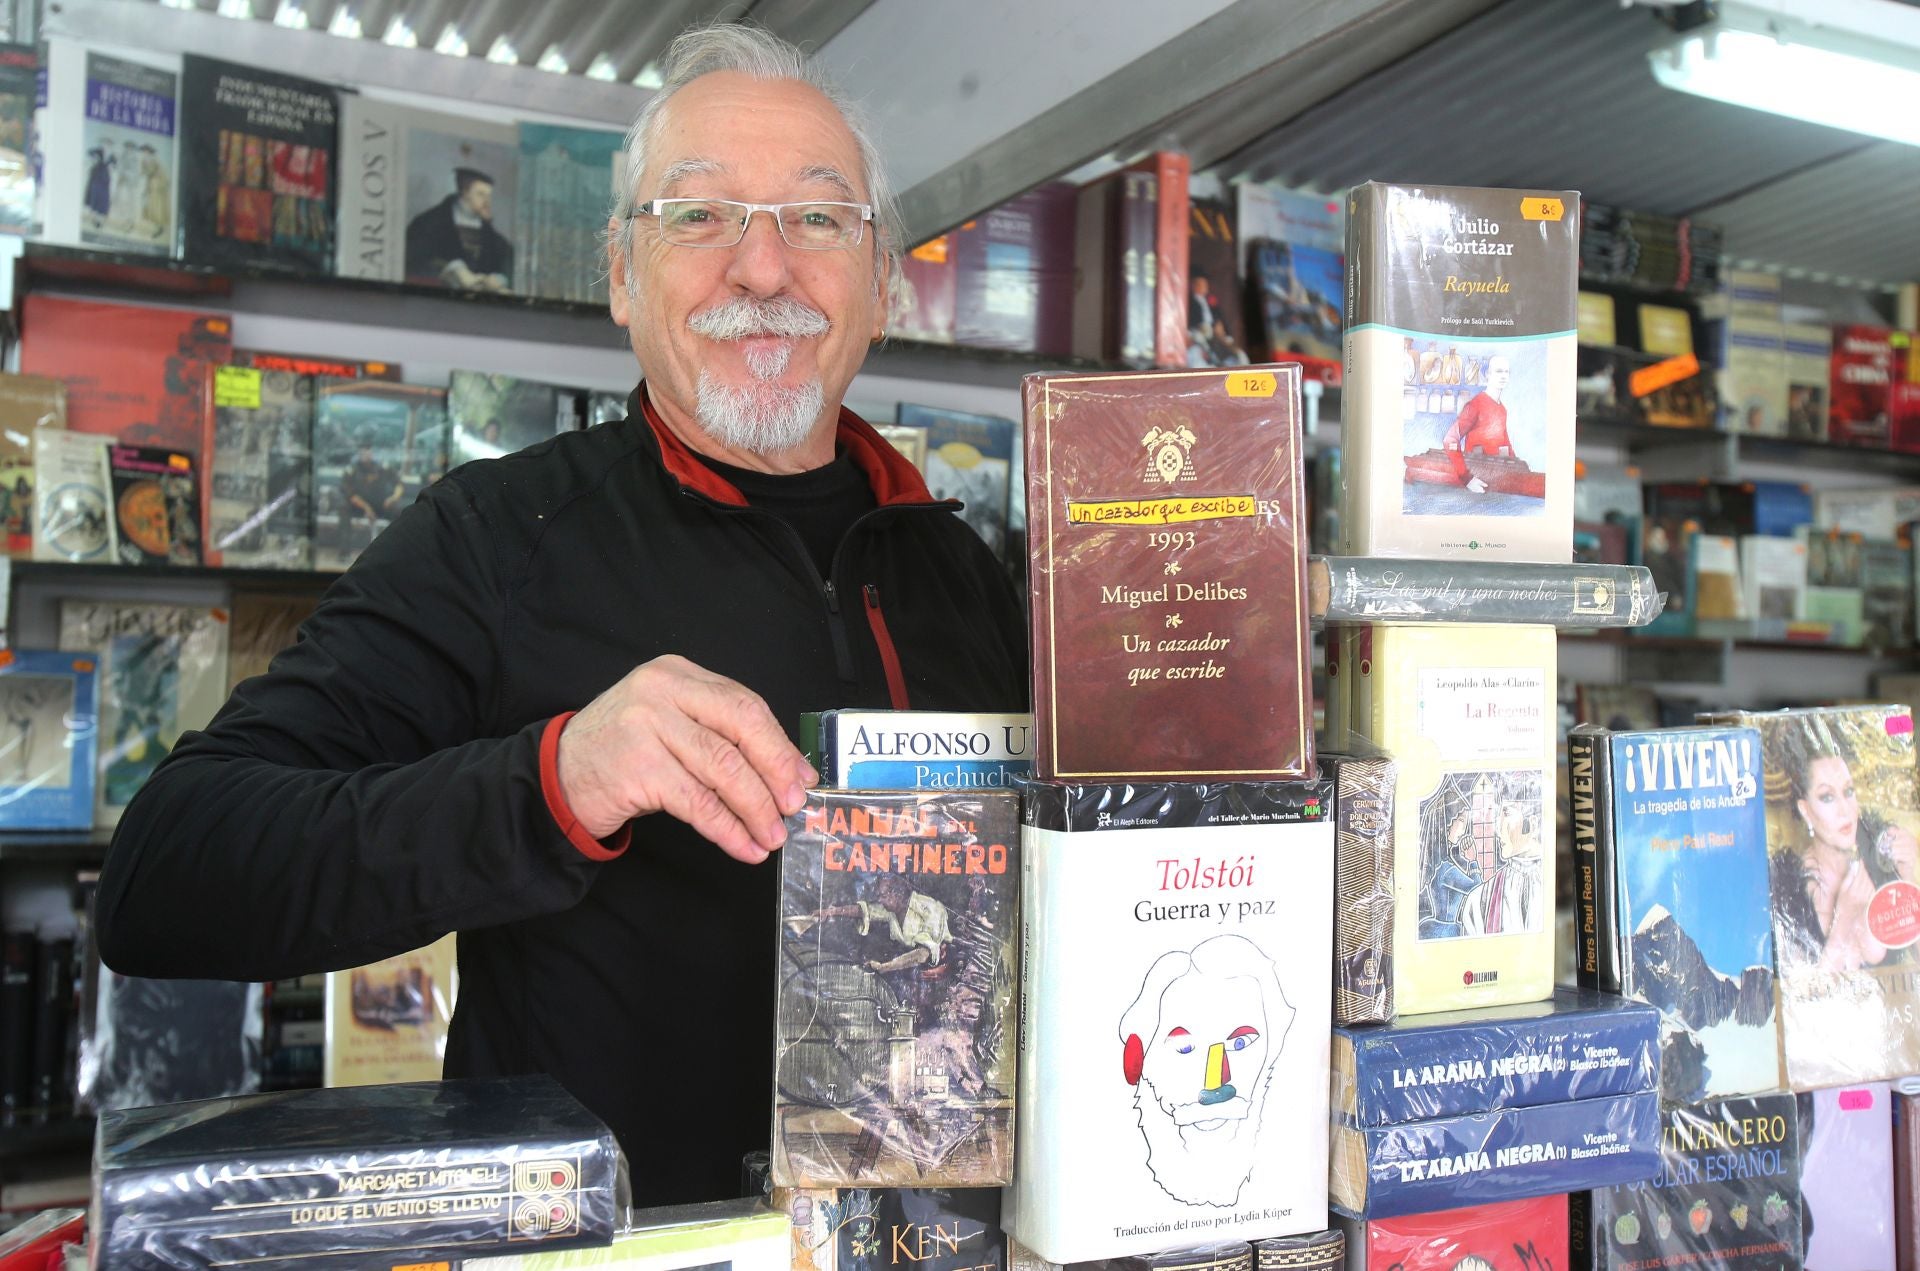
(1224, 642)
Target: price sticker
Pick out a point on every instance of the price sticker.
(1252, 384)
(1542, 209)
(237, 386)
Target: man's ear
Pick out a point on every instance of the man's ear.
(617, 269)
(882, 293)
(1133, 1059)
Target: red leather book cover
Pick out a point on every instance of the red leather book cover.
(1514, 1235)
(134, 373)
(1168, 575)
(1171, 170)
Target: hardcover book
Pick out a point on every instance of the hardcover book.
(1459, 372)
(258, 448)
(1846, 1176)
(150, 1042)
(336, 1178)
(163, 672)
(264, 623)
(1860, 411)
(49, 727)
(1713, 585)
(1176, 1005)
(1906, 1172)
(257, 172)
(1809, 350)
(28, 403)
(1726, 1194)
(411, 180)
(150, 392)
(1685, 809)
(387, 1022)
(495, 415)
(1842, 813)
(1013, 274)
(73, 506)
(565, 175)
(971, 458)
(1168, 575)
(1382, 589)
(127, 152)
(1577, 1045)
(920, 306)
(315, 364)
(1362, 887)
(1773, 575)
(1886, 595)
(1598, 947)
(1216, 314)
(1513, 1235)
(718, 1235)
(375, 446)
(1543, 1149)
(156, 504)
(895, 1063)
(1468, 713)
(1299, 296)
(917, 750)
(895, 1228)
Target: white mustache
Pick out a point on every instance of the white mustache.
(744, 316)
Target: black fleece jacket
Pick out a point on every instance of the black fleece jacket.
(392, 777)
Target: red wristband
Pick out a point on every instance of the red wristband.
(590, 847)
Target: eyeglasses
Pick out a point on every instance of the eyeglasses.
(814, 227)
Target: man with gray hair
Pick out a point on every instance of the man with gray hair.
(548, 708)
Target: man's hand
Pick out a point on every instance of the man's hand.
(1476, 485)
(671, 737)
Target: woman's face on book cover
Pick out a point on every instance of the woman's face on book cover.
(1830, 807)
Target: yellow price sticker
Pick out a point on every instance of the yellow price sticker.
(1252, 384)
(237, 386)
(1542, 209)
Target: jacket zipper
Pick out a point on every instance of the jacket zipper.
(836, 626)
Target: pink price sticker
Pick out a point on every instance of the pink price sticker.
(1856, 1100)
(1893, 915)
(1899, 725)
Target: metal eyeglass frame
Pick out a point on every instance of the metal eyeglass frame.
(652, 208)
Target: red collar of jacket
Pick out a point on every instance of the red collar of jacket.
(893, 478)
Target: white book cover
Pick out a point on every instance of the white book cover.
(1773, 579)
(1458, 416)
(410, 181)
(109, 139)
(1176, 1016)
(163, 672)
(73, 517)
(1879, 513)
(919, 750)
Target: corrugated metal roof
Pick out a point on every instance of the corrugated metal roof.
(1557, 94)
(611, 39)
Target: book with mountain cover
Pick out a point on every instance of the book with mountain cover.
(163, 670)
(896, 988)
(1688, 826)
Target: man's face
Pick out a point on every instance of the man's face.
(729, 136)
(478, 199)
(1498, 373)
(1211, 1051)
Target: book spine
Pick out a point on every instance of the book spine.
(53, 1014)
(16, 1025)
(1364, 304)
(1027, 1212)
(1363, 891)
(818, 731)
(1586, 1243)
(1037, 432)
(1169, 279)
(1137, 263)
(1512, 1154)
(1478, 1066)
(1590, 771)
(1906, 1199)
(1363, 589)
